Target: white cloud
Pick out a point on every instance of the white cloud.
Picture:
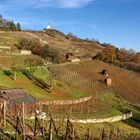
(72, 3)
(52, 3)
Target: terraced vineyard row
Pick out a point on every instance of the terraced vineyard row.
(78, 76)
(88, 109)
(125, 83)
(86, 76)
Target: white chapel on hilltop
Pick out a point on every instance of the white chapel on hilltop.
(49, 27)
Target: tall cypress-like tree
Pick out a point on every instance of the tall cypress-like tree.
(18, 26)
(13, 26)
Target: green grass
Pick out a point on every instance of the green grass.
(23, 82)
(40, 94)
(68, 93)
(122, 106)
(77, 94)
(42, 73)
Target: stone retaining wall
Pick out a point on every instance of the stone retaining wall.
(109, 120)
(65, 102)
(86, 121)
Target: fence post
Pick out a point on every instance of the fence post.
(50, 129)
(23, 120)
(17, 123)
(4, 113)
(35, 125)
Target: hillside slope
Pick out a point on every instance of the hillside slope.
(86, 76)
(68, 43)
(55, 39)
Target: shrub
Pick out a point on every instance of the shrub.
(8, 73)
(27, 74)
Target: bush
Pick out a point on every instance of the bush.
(56, 55)
(27, 74)
(42, 83)
(8, 73)
(131, 66)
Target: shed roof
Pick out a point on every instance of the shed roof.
(13, 93)
(28, 99)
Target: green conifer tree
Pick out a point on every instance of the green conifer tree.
(18, 26)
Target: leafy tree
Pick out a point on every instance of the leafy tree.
(33, 63)
(128, 55)
(109, 53)
(15, 69)
(16, 66)
(44, 51)
(53, 53)
(29, 44)
(136, 58)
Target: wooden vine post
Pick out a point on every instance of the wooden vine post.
(23, 120)
(17, 124)
(4, 114)
(35, 127)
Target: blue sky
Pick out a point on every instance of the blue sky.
(112, 21)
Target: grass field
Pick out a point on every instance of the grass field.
(40, 94)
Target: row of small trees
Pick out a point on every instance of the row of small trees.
(111, 53)
(128, 59)
(9, 25)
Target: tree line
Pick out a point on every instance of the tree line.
(128, 59)
(9, 25)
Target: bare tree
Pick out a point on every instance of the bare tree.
(15, 67)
